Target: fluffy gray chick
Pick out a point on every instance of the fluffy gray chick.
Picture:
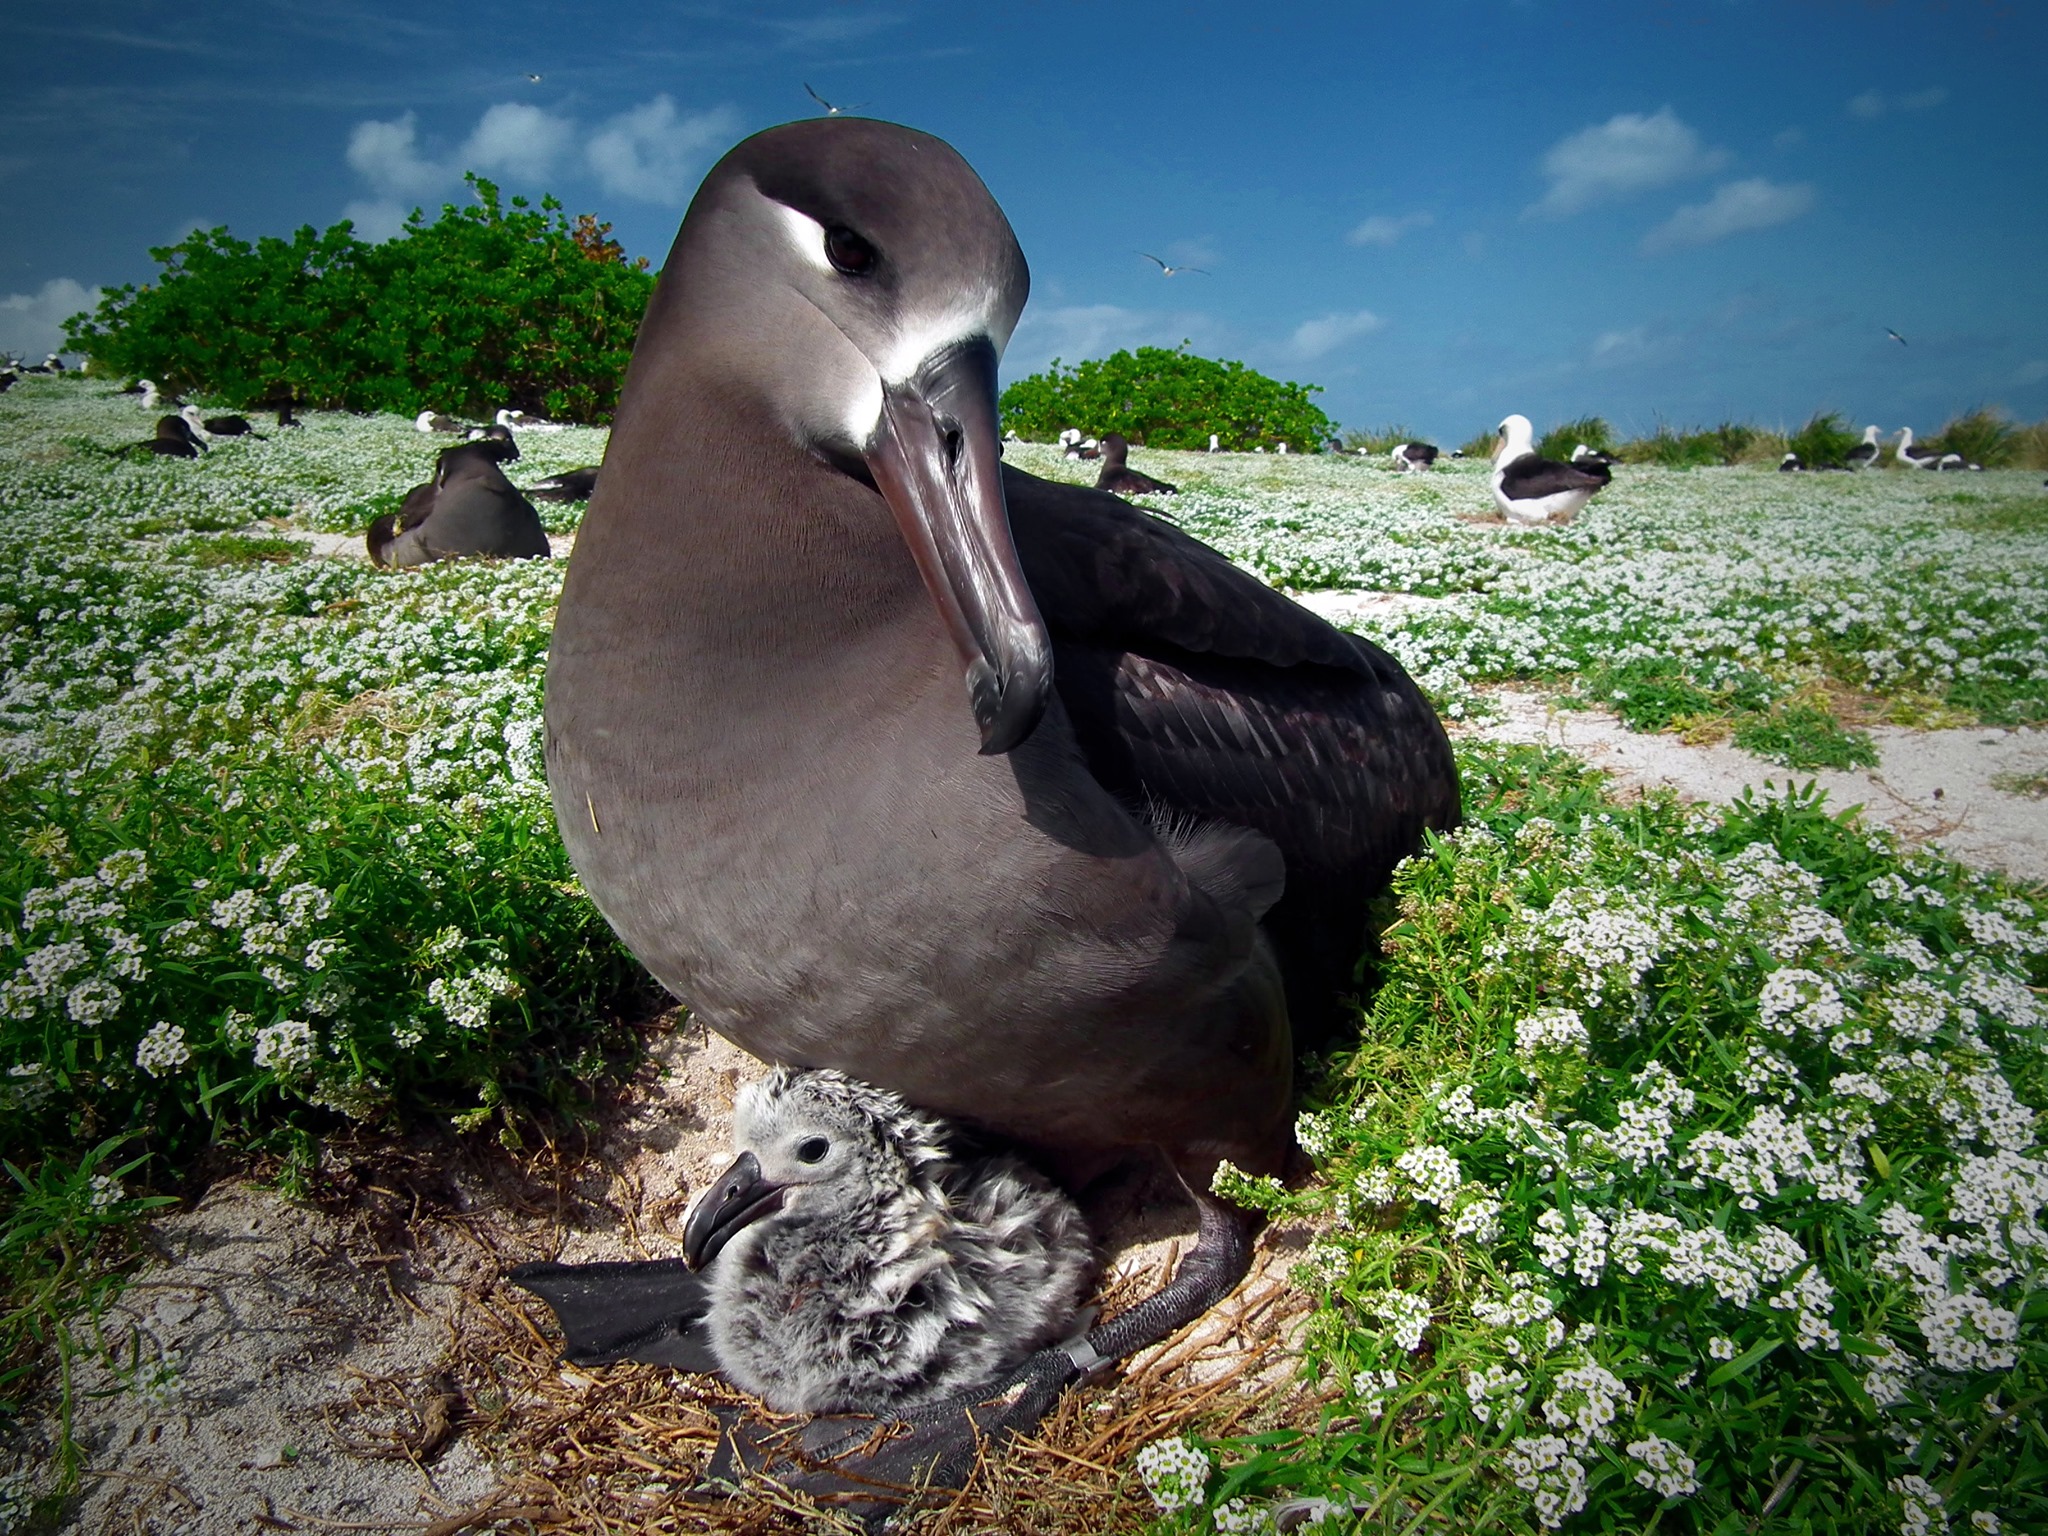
(861, 1266)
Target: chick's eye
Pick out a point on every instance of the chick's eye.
(848, 253)
(812, 1149)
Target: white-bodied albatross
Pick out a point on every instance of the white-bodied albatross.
(886, 757)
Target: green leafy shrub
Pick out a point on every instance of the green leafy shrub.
(1824, 442)
(1688, 1176)
(1162, 399)
(1982, 437)
(1376, 440)
(1560, 440)
(1726, 444)
(488, 306)
(1480, 445)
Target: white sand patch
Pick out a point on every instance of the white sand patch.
(1930, 786)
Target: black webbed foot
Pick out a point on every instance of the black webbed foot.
(650, 1310)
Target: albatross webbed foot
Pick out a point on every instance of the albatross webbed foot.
(648, 1309)
(1221, 1256)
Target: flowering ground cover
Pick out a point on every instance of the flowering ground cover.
(1687, 1169)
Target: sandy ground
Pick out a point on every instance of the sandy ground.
(302, 1369)
(1929, 786)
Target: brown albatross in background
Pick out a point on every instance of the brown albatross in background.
(889, 758)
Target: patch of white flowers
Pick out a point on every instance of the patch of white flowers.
(1175, 1472)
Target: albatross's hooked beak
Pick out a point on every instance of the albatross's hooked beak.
(935, 459)
(740, 1197)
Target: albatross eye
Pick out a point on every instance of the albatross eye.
(812, 1149)
(849, 253)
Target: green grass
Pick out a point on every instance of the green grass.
(2034, 786)
(1560, 440)
(1805, 736)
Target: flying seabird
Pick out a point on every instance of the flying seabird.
(1587, 457)
(1864, 454)
(1412, 458)
(1529, 489)
(890, 758)
(1166, 271)
(532, 79)
(569, 485)
(469, 509)
(1907, 455)
(1895, 336)
(1119, 478)
(830, 110)
(434, 421)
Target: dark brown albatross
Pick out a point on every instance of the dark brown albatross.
(1049, 902)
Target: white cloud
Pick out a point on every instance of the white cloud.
(1609, 343)
(1788, 138)
(387, 156)
(513, 139)
(1313, 338)
(376, 222)
(1874, 104)
(1734, 208)
(32, 324)
(1388, 228)
(1628, 153)
(2032, 372)
(654, 153)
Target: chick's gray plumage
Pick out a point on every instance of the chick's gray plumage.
(895, 1274)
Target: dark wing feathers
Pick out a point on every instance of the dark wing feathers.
(1530, 478)
(1197, 691)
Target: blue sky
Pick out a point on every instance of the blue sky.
(1439, 212)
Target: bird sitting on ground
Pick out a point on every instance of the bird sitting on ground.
(498, 439)
(1413, 458)
(7, 378)
(174, 439)
(857, 1265)
(511, 418)
(1790, 464)
(219, 426)
(1531, 489)
(1117, 476)
(434, 421)
(1864, 454)
(569, 485)
(1075, 446)
(285, 418)
(1915, 458)
(1590, 458)
(469, 509)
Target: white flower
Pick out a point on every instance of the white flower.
(1478, 1221)
(1431, 1173)
(1721, 1347)
(1922, 1514)
(1582, 1402)
(1372, 1389)
(93, 1001)
(1175, 1471)
(1405, 1314)
(1544, 1467)
(163, 1049)
(1240, 1515)
(286, 1046)
(1663, 1467)
(1494, 1389)
(1552, 1031)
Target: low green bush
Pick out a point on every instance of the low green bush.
(488, 306)
(1726, 444)
(1687, 1177)
(1168, 399)
(1982, 437)
(1824, 442)
(1560, 440)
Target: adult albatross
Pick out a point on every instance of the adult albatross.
(888, 758)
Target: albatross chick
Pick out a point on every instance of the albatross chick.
(860, 1266)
